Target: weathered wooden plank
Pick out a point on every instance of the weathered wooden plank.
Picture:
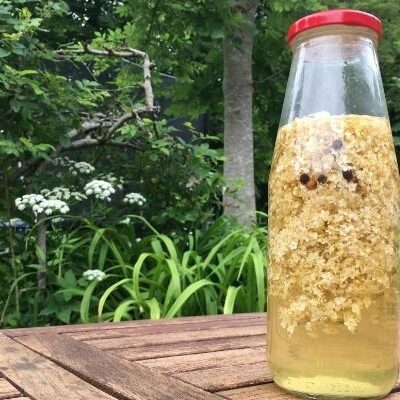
(41, 378)
(8, 390)
(18, 398)
(228, 377)
(127, 324)
(165, 328)
(164, 338)
(124, 379)
(271, 392)
(260, 392)
(200, 346)
(233, 358)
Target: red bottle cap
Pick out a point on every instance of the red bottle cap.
(330, 17)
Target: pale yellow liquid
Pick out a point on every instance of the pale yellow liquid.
(338, 364)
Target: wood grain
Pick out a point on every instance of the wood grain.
(124, 379)
(7, 390)
(261, 392)
(217, 359)
(164, 338)
(228, 377)
(132, 331)
(199, 346)
(41, 378)
(121, 325)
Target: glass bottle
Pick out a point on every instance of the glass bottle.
(333, 217)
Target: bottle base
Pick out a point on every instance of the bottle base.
(330, 388)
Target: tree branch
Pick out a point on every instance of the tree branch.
(125, 52)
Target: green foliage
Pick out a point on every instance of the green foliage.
(219, 269)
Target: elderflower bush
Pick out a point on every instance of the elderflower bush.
(94, 275)
(135, 198)
(99, 189)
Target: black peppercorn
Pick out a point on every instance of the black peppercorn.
(322, 179)
(348, 175)
(337, 144)
(304, 179)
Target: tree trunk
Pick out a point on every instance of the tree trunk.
(239, 198)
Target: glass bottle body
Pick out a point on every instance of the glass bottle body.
(333, 224)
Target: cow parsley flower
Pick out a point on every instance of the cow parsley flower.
(94, 275)
(81, 167)
(135, 198)
(99, 189)
(50, 207)
(38, 204)
(28, 201)
(75, 167)
(62, 193)
(116, 181)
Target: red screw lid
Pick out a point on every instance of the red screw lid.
(330, 17)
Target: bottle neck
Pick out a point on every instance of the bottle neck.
(334, 70)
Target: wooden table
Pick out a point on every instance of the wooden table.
(196, 358)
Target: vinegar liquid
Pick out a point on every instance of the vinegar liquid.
(336, 363)
(332, 273)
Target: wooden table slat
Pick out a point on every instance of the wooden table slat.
(182, 348)
(164, 338)
(124, 379)
(228, 377)
(41, 378)
(259, 392)
(140, 330)
(129, 324)
(217, 359)
(7, 390)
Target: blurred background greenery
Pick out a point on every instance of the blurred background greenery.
(172, 251)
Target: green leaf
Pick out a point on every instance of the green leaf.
(230, 298)
(185, 295)
(4, 53)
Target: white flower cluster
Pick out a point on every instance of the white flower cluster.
(81, 167)
(94, 275)
(135, 198)
(50, 207)
(100, 189)
(28, 201)
(39, 204)
(75, 167)
(62, 161)
(117, 182)
(62, 193)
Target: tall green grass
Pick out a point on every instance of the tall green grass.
(221, 269)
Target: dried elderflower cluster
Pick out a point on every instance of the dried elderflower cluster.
(333, 219)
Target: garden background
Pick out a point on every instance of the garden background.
(135, 143)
